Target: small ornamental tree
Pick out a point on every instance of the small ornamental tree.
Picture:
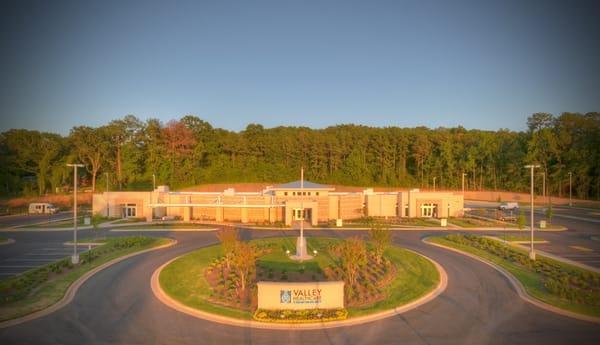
(549, 213)
(229, 240)
(521, 219)
(244, 262)
(353, 256)
(380, 240)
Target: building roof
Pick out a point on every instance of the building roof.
(307, 185)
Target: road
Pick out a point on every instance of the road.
(478, 307)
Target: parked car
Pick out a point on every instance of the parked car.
(509, 206)
(42, 208)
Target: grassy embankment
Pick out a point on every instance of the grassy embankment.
(550, 281)
(42, 287)
(521, 237)
(468, 222)
(184, 279)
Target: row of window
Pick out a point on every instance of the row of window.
(300, 193)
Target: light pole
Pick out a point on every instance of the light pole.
(544, 184)
(153, 182)
(531, 251)
(463, 184)
(570, 189)
(434, 183)
(75, 257)
(301, 253)
(302, 250)
(107, 206)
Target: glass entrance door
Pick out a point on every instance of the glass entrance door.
(428, 210)
(300, 214)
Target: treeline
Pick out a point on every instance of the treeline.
(127, 152)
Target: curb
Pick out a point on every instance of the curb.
(520, 288)
(83, 244)
(167, 230)
(180, 307)
(25, 229)
(74, 287)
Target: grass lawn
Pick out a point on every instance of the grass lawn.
(467, 222)
(129, 220)
(90, 240)
(531, 280)
(184, 278)
(3, 239)
(402, 223)
(520, 238)
(268, 225)
(60, 224)
(42, 287)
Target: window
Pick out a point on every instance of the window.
(285, 193)
(317, 193)
(294, 193)
(308, 193)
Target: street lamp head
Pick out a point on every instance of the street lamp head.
(532, 166)
(75, 165)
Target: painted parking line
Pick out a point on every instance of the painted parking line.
(38, 257)
(582, 255)
(583, 249)
(29, 260)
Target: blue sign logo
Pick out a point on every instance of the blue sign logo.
(285, 296)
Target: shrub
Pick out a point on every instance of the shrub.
(300, 316)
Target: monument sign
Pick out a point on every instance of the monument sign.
(310, 295)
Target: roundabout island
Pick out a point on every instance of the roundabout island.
(258, 284)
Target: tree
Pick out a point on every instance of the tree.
(521, 221)
(229, 240)
(244, 263)
(123, 135)
(33, 152)
(92, 146)
(380, 239)
(549, 213)
(179, 144)
(353, 256)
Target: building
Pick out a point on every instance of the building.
(284, 203)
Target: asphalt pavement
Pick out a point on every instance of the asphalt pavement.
(581, 242)
(31, 219)
(116, 306)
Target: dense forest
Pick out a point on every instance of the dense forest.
(126, 153)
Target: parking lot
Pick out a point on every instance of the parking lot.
(39, 255)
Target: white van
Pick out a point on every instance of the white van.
(42, 208)
(509, 206)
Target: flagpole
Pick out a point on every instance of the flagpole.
(302, 210)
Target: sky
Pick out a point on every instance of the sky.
(478, 64)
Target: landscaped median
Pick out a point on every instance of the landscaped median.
(43, 287)
(200, 284)
(562, 286)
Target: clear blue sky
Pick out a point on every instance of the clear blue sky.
(479, 64)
